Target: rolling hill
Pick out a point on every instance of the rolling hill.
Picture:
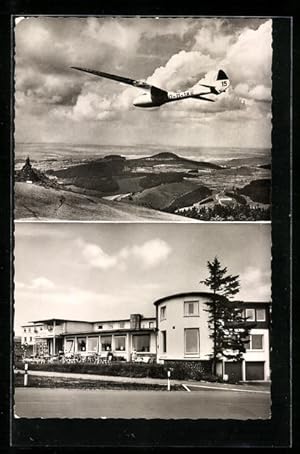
(168, 159)
(170, 195)
(35, 202)
(258, 191)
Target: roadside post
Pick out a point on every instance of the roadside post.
(169, 383)
(25, 374)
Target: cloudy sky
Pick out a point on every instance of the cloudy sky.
(106, 271)
(54, 103)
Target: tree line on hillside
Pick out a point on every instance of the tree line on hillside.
(227, 213)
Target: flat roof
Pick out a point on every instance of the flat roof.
(111, 331)
(252, 302)
(123, 320)
(58, 320)
(204, 294)
(176, 295)
(87, 321)
(31, 324)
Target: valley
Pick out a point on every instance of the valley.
(164, 183)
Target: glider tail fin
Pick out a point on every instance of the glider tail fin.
(222, 82)
(219, 86)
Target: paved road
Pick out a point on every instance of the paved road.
(146, 380)
(78, 403)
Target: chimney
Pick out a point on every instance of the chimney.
(135, 321)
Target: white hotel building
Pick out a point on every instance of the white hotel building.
(178, 332)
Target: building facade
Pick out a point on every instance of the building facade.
(123, 338)
(30, 332)
(178, 332)
(183, 335)
(183, 328)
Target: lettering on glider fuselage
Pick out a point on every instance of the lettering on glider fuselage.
(183, 94)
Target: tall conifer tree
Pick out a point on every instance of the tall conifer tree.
(228, 328)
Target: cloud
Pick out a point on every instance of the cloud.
(152, 252)
(182, 70)
(249, 59)
(42, 283)
(96, 257)
(50, 92)
(261, 93)
(39, 283)
(213, 39)
(148, 254)
(255, 284)
(19, 285)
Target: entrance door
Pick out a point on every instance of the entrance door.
(255, 370)
(59, 345)
(234, 371)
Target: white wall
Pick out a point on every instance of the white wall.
(117, 324)
(32, 334)
(111, 325)
(75, 327)
(176, 322)
(146, 323)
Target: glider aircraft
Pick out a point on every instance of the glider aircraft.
(155, 97)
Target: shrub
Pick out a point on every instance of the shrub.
(193, 370)
(180, 370)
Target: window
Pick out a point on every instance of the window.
(93, 344)
(151, 324)
(105, 343)
(191, 308)
(25, 339)
(69, 345)
(24, 330)
(30, 339)
(120, 343)
(255, 342)
(191, 341)
(29, 330)
(41, 328)
(164, 341)
(141, 343)
(250, 315)
(100, 326)
(122, 324)
(81, 344)
(260, 315)
(163, 311)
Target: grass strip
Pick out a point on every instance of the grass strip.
(71, 383)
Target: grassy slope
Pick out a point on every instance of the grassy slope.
(162, 196)
(36, 202)
(201, 193)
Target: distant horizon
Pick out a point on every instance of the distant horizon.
(144, 144)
